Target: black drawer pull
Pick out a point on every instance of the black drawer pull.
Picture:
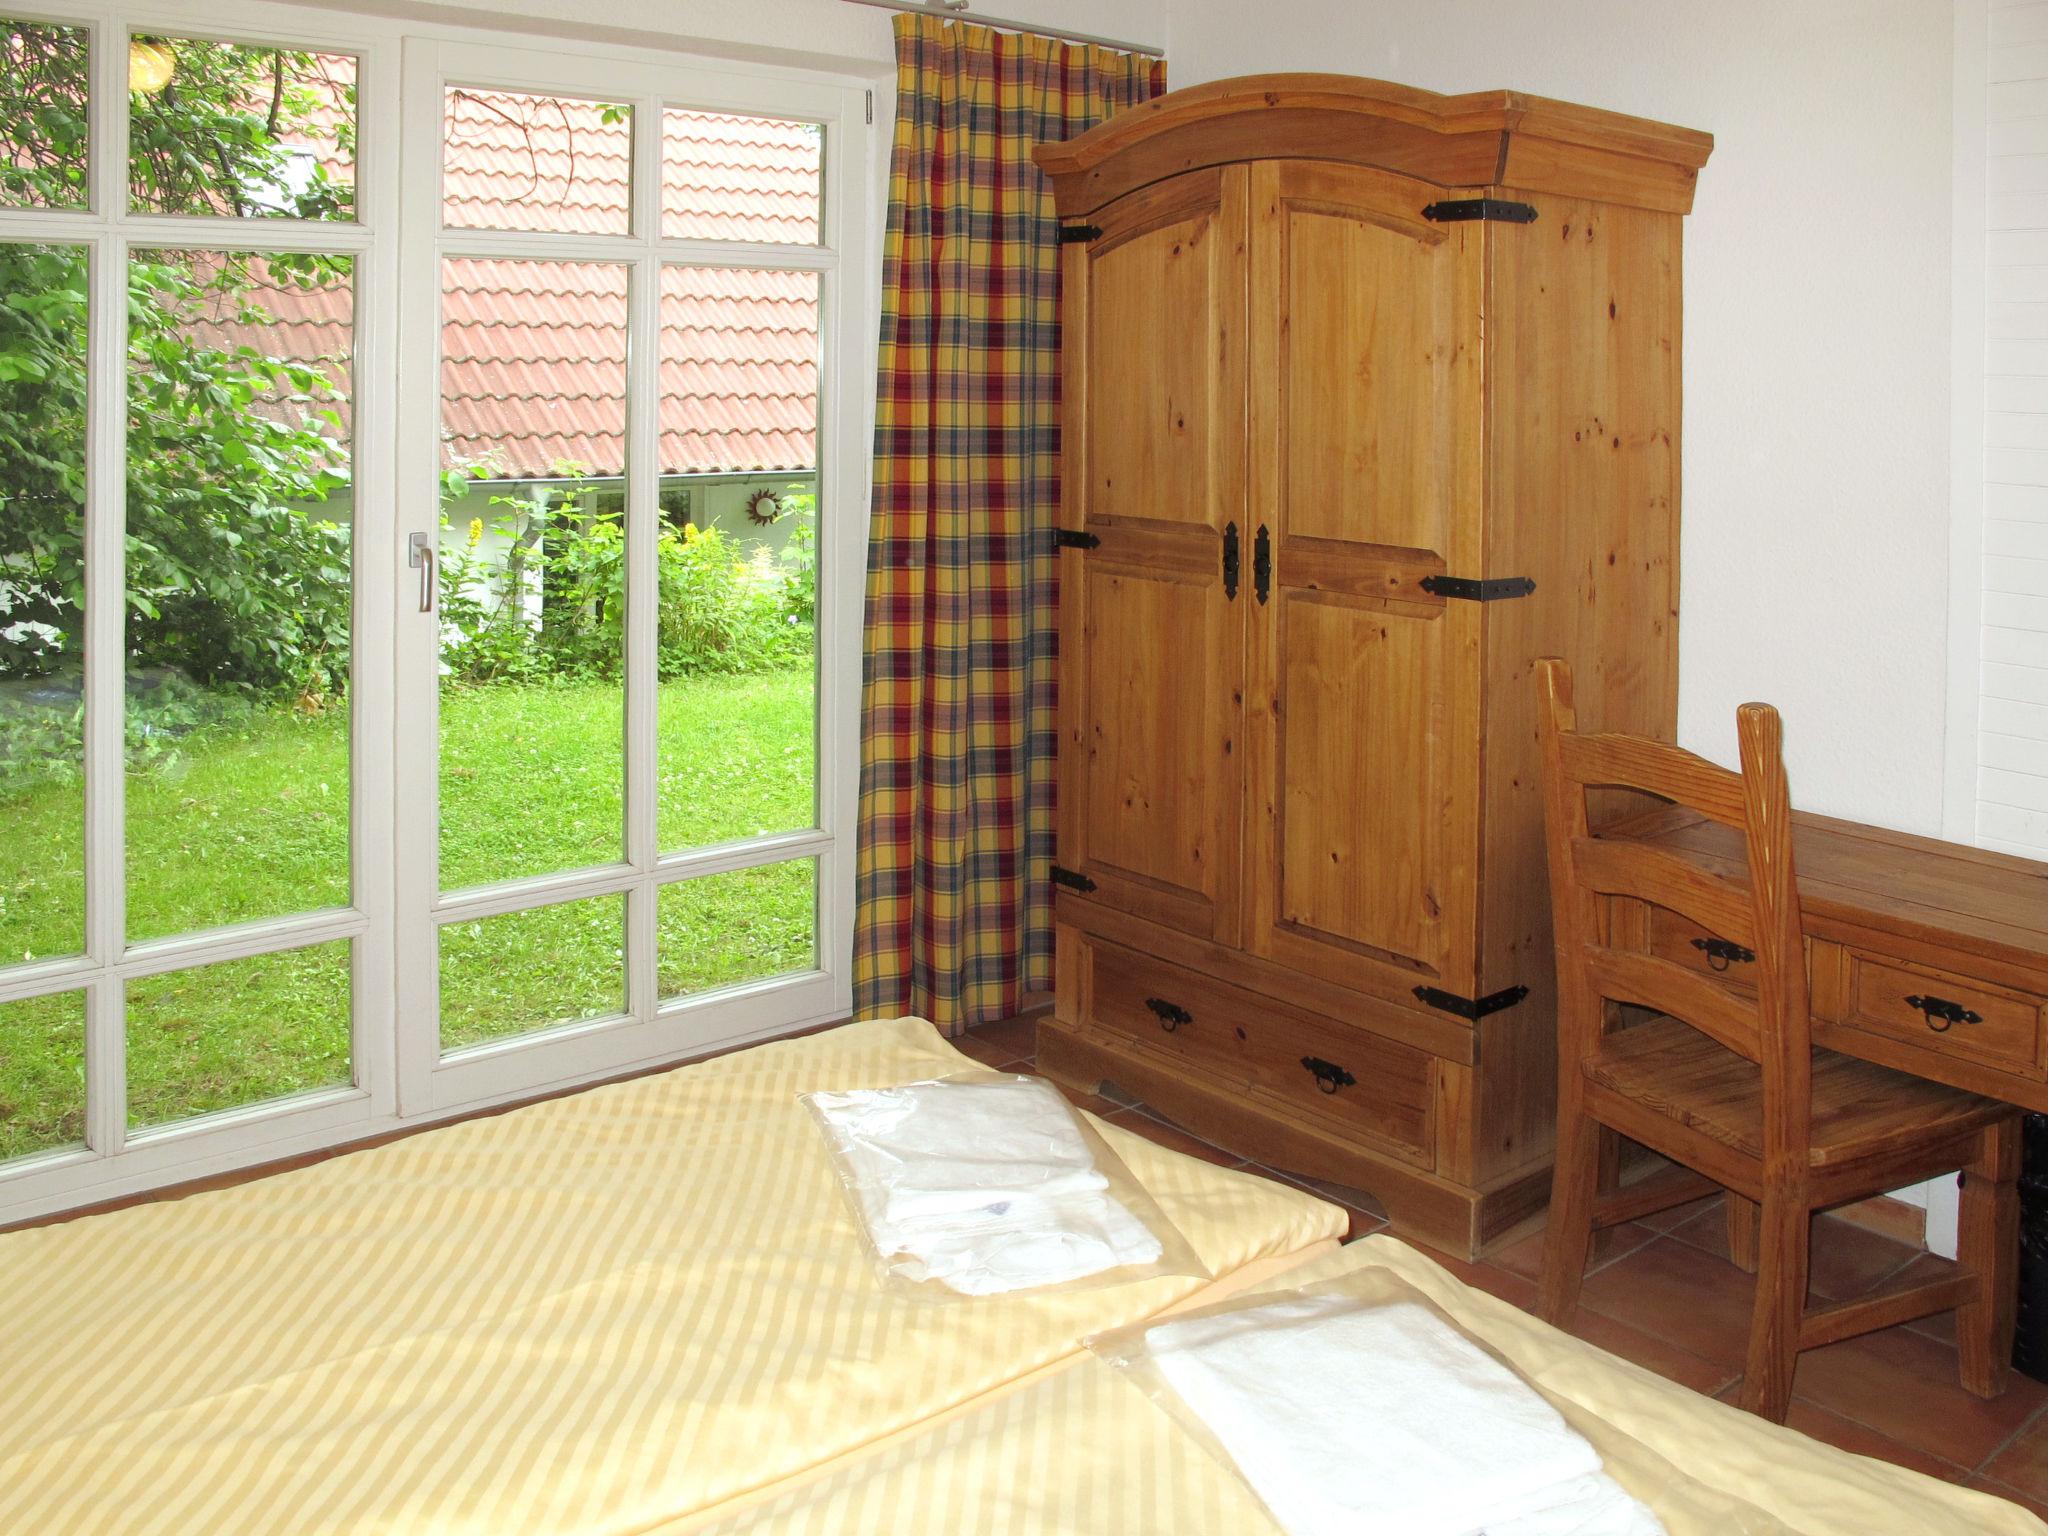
(1329, 1076)
(1720, 952)
(1944, 1010)
(1171, 1015)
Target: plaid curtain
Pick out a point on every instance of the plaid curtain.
(954, 917)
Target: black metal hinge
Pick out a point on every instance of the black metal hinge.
(1478, 591)
(1471, 1008)
(1081, 234)
(1068, 538)
(1072, 880)
(1495, 209)
(1230, 561)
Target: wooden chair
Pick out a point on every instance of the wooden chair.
(1725, 1081)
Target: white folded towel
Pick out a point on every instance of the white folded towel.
(1347, 1419)
(984, 1186)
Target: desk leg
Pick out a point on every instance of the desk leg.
(1988, 1243)
(1743, 1217)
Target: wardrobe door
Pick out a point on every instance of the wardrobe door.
(1151, 620)
(1362, 717)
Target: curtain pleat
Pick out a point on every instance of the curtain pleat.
(958, 733)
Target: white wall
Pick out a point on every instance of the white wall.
(2009, 139)
(826, 33)
(1817, 365)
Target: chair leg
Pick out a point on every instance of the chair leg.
(1569, 1234)
(1743, 1216)
(1784, 1229)
(1988, 1242)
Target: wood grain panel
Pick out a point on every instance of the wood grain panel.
(1164, 297)
(1150, 786)
(1583, 348)
(1362, 781)
(1362, 708)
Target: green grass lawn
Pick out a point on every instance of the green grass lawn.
(251, 821)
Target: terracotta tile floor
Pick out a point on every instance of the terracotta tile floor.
(1663, 1294)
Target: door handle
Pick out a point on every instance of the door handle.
(1262, 565)
(419, 556)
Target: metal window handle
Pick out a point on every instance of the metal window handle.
(419, 556)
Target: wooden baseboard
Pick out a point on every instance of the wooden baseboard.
(1899, 1219)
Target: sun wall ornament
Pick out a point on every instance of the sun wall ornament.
(763, 508)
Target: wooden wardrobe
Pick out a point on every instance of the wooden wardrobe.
(1371, 399)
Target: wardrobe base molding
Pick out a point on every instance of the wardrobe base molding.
(1452, 1218)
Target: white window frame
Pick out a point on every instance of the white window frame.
(390, 1090)
(648, 1030)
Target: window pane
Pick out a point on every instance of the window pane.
(745, 925)
(42, 601)
(553, 164)
(740, 178)
(43, 129)
(42, 1074)
(240, 1032)
(525, 971)
(738, 554)
(533, 431)
(226, 128)
(240, 513)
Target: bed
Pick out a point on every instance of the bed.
(1078, 1452)
(607, 1313)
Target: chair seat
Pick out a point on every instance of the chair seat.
(1860, 1109)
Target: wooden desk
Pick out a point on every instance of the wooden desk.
(1926, 956)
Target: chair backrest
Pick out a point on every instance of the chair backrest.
(1757, 909)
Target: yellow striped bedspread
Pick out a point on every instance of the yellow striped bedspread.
(600, 1314)
(1080, 1452)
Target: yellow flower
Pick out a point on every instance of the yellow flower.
(476, 531)
(689, 533)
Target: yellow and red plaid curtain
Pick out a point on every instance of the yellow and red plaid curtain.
(954, 919)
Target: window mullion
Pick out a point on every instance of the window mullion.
(643, 518)
(105, 597)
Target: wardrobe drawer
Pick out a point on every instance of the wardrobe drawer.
(1289, 1060)
(1940, 1010)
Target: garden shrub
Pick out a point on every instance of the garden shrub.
(720, 611)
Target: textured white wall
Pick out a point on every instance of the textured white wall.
(828, 33)
(2010, 142)
(1817, 364)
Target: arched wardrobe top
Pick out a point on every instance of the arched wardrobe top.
(1480, 140)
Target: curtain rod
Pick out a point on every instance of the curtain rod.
(956, 10)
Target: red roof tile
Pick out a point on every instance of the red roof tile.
(533, 373)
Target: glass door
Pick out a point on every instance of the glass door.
(627, 693)
(196, 228)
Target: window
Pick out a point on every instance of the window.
(241, 909)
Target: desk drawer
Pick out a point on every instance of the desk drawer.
(1293, 1061)
(1685, 943)
(1942, 1011)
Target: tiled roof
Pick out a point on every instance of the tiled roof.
(533, 352)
